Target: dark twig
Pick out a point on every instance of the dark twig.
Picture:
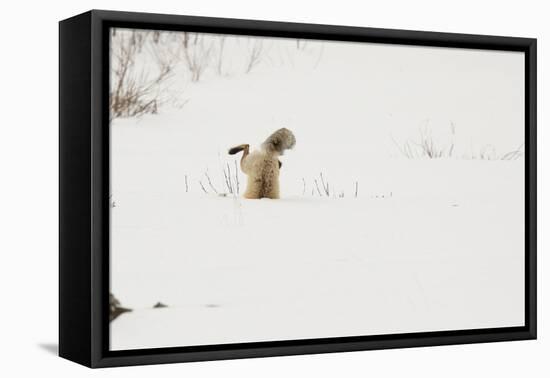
(202, 187)
(237, 177)
(210, 183)
(325, 186)
(317, 186)
(513, 155)
(227, 178)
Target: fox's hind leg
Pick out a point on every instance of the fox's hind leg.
(270, 180)
(253, 188)
(273, 193)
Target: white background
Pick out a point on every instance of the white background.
(29, 156)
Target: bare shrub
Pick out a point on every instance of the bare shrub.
(426, 146)
(317, 187)
(228, 180)
(202, 187)
(406, 148)
(221, 45)
(322, 188)
(487, 152)
(513, 155)
(230, 185)
(325, 185)
(255, 51)
(135, 90)
(197, 52)
(210, 183)
(231, 178)
(237, 184)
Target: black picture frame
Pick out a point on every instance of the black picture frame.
(84, 184)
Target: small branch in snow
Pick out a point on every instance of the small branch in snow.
(227, 178)
(210, 183)
(317, 186)
(325, 186)
(202, 187)
(237, 177)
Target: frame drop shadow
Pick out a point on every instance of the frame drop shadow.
(52, 348)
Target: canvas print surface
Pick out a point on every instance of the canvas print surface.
(371, 189)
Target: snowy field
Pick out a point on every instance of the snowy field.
(397, 245)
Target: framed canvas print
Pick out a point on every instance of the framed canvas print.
(236, 188)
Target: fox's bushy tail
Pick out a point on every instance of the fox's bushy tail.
(281, 140)
(237, 149)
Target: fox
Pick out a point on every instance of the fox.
(262, 166)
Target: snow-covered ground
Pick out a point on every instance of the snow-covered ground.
(399, 245)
